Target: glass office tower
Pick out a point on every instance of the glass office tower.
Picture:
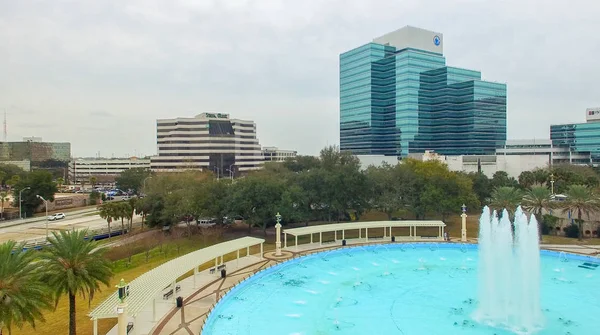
(582, 138)
(397, 96)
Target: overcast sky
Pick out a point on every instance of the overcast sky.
(99, 73)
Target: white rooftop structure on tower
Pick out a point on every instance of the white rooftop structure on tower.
(413, 37)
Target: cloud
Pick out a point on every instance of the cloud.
(274, 62)
(101, 113)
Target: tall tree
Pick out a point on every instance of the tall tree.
(132, 179)
(108, 212)
(501, 179)
(301, 163)
(131, 209)
(74, 265)
(535, 201)
(93, 181)
(23, 294)
(40, 183)
(59, 182)
(580, 200)
(506, 197)
(3, 198)
(526, 179)
(482, 186)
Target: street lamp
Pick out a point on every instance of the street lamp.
(230, 170)
(278, 235)
(144, 182)
(21, 201)
(216, 169)
(552, 183)
(46, 205)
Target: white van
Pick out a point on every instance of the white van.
(206, 222)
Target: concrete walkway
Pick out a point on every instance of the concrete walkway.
(163, 313)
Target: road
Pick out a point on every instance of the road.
(36, 230)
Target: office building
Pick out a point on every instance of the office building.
(554, 155)
(81, 169)
(40, 154)
(25, 165)
(398, 96)
(580, 138)
(209, 141)
(274, 154)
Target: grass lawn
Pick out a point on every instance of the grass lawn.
(57, 321)
(551, 239)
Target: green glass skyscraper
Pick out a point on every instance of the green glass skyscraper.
(397, 97)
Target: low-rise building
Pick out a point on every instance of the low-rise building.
(81, 169)
(580, 138)
(555, 154)
(274, 154)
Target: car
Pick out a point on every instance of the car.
(56, 216)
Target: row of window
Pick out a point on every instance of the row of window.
(176, 136)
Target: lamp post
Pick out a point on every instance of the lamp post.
(278, 235)
(121, 308)
(216, 169)
(230, 170)
(144, 182)
(21, 201)
(552, 184)
(45, 205)
(463, 235)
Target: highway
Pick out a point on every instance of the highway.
(35, 228)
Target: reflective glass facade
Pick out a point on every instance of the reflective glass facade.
(396, 102)
(578, 137)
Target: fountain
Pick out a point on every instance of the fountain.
(492, 288)
(509, 272)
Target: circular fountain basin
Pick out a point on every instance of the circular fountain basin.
(407, 289)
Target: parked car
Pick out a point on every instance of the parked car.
(56, 216)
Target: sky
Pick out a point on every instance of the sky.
(98, 73)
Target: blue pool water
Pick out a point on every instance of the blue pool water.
(407, 289)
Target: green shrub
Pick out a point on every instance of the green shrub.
(94, 196)
(572, 231)
(548, 223)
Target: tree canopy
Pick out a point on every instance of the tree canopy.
(132, 179)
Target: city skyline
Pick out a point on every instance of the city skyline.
(100, 74)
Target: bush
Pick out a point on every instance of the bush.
(548, 223)
(94, 196)
(572, 231)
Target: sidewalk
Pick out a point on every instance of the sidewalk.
(167, 316)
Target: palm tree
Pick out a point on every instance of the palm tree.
(23, 295)
(107, 212)
(580, 200)
(60, 182)
(506, 197)
(3, 198)
(74, 266)
(93, 181)
(535, 201)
